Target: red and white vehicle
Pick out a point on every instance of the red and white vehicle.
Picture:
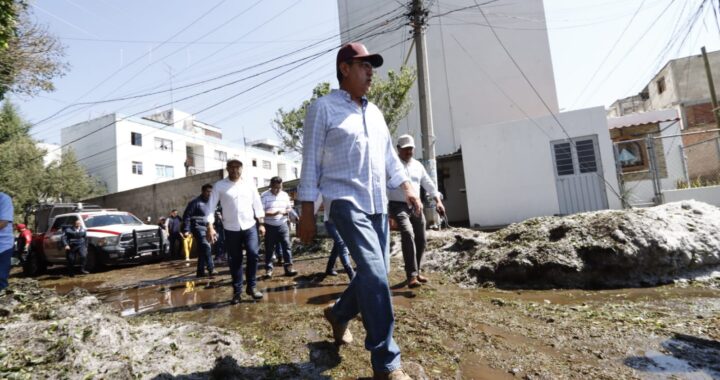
(112, 237)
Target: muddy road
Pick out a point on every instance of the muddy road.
(445, 331)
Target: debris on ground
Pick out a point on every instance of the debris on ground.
(602, 249)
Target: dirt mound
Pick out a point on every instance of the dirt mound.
(603, 249)
(43, 335)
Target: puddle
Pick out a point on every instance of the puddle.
(683, 356)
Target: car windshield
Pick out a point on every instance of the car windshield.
(109, 219)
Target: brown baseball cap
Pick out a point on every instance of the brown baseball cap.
(358, 51)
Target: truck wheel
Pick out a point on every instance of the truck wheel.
(35, 264)
(94, 261)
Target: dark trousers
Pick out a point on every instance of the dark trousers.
(204, 252)
(5, 257)
(77, 254)
(277, 236)
(175, 245)
(235, 242)
(339, 250)
(412, 234)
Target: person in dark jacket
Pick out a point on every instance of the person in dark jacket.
(194, 222)
(75, 242)
(174, 234)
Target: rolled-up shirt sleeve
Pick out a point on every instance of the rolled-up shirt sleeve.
(313, 147)
(258, 205)
(427, 183)
(393, 167)
(212, 205)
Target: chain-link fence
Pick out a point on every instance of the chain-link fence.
(670, 159)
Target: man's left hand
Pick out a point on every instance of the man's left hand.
(440, 207)
(261, 229)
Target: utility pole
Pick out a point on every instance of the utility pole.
(419, 21)
(711, 85)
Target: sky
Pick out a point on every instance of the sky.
(235, 63)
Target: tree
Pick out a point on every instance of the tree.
(390, 95)
(30, 57)
(23, 174)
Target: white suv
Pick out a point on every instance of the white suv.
(112, 237)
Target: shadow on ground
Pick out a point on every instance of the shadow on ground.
(683, 355)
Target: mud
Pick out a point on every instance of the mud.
(177, 326)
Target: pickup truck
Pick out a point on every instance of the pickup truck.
(112, 236)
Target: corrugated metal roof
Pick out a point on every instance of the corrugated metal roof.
(643, 118)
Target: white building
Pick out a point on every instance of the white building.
(130, 152)
(528, 168)
(473, 81)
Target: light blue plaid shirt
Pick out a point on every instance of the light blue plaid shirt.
(348, 154)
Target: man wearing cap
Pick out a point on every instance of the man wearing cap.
(348, 158)
(412, 225)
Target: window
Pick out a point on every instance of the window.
(137, 167)
(267, 165)
(563, 159)
(256, 181)
(586, 156)
(661, 85)
(631, 155)
(164, 171)
(220, 155)
(135, 138)
(163, 144)
(254, 163)
(266, 182)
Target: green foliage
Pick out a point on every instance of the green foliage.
(30, 57)
(23, 175)
(391, 95)
(698, 182)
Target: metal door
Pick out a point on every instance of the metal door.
(578, 175)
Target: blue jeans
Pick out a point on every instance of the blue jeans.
(367, 238)
(235, 242)
(204, 252)
(338, 250)
(277, 236)
(5, 257)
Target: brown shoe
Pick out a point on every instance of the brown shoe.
(340, 330)
(413, 282)
(397, 374)
(422, 278)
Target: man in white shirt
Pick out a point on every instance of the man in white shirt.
(412, 225)
(242, 214)
(276, 204)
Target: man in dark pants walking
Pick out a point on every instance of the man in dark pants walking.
(412, 226)
(276, 203)
(73, 239)
(243, 217)
(175, 237)
(194, 221)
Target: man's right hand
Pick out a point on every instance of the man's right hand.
(211, 236)
(307, 223)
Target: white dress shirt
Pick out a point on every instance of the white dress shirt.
(418, 177)
(273, 203)
(348, 154)
(240, 203)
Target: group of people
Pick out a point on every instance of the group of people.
(351, 165)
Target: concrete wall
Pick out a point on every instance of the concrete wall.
(157, 200)
(469, 71)
(710, 195)
(509, 172)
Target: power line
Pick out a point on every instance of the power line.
(542, 100)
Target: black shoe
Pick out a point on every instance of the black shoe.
(254, 293)
(212, 273)
(289, 271)
(331, 273)
(200, 275)
(236, 299)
